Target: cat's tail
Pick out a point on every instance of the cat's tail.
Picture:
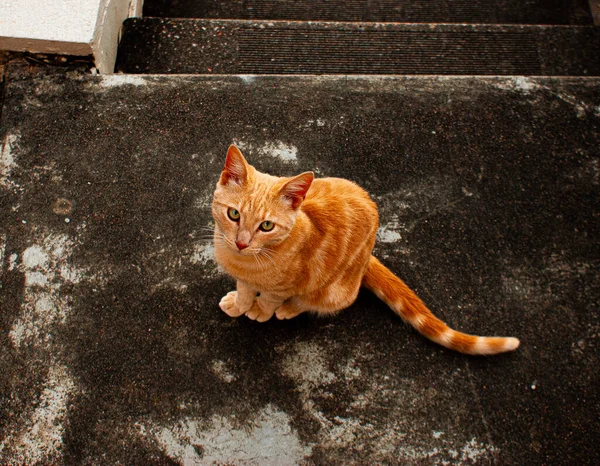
(394, 292)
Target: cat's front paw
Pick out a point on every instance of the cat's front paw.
(258, 314)
(229, 306)
(287, 311)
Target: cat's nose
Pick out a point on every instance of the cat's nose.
(241, 245)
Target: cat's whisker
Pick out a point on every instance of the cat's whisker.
(258, 260)
(221, 238)
(267, 255)
(270, 251)
(229, 242)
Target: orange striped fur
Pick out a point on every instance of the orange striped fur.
(317, 254)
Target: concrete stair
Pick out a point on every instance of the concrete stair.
(382, 11)
(113, 349)
(153, 45)
(360, 37)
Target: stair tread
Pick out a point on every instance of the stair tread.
(182, 46)
(456, 11)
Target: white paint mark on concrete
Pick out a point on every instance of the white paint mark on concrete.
(12, 262)
(2, 251)
(318, 122)
(36, 436)
(220, 369)
(282, 151)
(581, 108)
(34, 257)
(351, 371)
(474, 451)
(7, 159)
(267, 439)
(41, 439)
(306, 364)
(248, 78)
(386, 234)
(35, 279)
(203, 253)
(518, 83)
(275, 149)
(172, 284)
(116, 80)
(70, 274)
(46, 266)
(398, 434)
(527, 85)
(524, 84)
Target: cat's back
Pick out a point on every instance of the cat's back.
(340, 224)
(339, 201)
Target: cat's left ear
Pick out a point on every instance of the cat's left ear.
(294, 191)
(235, 169)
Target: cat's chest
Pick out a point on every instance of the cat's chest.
(261, 272)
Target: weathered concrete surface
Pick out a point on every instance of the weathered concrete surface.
(113, 346)
(181, 46)
(401, 11)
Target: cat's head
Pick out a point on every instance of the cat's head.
(253, 211)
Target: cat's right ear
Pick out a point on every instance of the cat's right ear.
(294, 191)
(235, 169)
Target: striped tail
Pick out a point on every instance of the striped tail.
(394, 292)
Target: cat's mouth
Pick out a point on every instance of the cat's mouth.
(247, 252)
(263, 257)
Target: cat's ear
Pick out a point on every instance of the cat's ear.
(294, 191)
(235, 169)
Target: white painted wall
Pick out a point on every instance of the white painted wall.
(69, 27)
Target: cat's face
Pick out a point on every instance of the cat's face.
(255, 212)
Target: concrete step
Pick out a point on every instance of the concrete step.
(88, 29)
(113, 349)
(153, 45)
(402, 11)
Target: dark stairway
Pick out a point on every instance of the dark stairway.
(484, 37)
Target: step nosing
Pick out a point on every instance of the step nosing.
(420, 11)
(357, 24)
(341, 76)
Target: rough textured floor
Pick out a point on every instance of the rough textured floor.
(113, 348)
(409, 11)
(177, 46)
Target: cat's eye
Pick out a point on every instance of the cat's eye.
(233, 214)
(267, 225)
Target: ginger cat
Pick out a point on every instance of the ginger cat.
(303, 244)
